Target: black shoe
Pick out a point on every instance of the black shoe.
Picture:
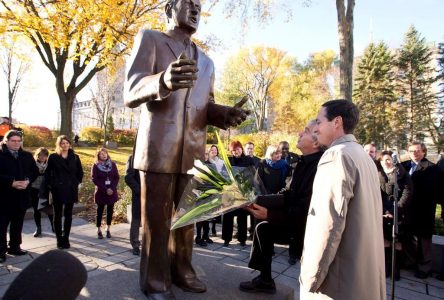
(440, 277)
(226, 244)
(202, 243)
(59, 243)
(17, 252)
(136, 251)
(99, 235)
(258, 285)
(38, 232)
(2, 258)
(208, 240)
(242, 244)
(292, 260)
(65, 243)
(421, 274)
(108, 234)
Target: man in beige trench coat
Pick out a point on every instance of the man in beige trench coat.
(343, 255)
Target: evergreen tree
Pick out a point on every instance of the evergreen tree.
(375, 97)
(440, 114)
(415, 77)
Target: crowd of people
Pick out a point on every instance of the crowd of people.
(283, 214)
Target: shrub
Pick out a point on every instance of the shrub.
(92, 134)
(125, 137)
(37, 136)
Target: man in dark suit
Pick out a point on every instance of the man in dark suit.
(422, 210)
(172, 80)
(286, 223)
(132, 179)
(17, 170)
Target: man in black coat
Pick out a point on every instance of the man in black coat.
(17, 170)
(132, 179)
(425, 176)
(280, 224)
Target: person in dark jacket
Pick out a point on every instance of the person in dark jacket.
(105, 176)
(132, 179)
(388, 173)
(290, 157)
(41, 161)
(17, 170)
(422, 211)
(239, 159)
(273, 170)
(249, 151)
(63, 175)
(282, 223)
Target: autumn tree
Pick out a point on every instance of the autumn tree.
(303, 91)
(416, 77)
(256, 72)
(77, 38)
(374, 95)
(14, 66)
(264, 10)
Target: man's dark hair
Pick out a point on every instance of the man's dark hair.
(344, 109)
(12, 133)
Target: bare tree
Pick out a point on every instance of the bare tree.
(14, 69)
(103, 99)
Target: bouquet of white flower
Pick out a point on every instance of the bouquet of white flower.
(210, 194)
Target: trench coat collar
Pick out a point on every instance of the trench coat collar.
(344, 139)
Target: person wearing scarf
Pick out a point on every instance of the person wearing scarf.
(273, 170)
(387, 176)
(105, 177)
(41, 161)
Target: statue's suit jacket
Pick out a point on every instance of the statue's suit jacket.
(172, 128)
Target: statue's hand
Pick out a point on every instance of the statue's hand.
(180, 74)
(236, 114)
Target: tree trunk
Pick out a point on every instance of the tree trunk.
(11, 101)
(345, 32)
(66, 105)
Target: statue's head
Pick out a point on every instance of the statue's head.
(184, 14)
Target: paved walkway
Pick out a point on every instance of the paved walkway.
(113, 270)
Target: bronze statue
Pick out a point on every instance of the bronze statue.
(172, 80)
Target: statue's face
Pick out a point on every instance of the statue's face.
(186, 14)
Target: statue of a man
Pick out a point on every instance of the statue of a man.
(172, 80)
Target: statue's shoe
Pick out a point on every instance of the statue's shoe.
(190, 284)
(168, 295)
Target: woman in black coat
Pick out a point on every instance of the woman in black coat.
(239, 159)
(63, 175)
(389, 174)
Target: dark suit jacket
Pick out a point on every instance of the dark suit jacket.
(172, 128)
(11, 199)
(425, 186)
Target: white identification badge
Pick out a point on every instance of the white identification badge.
(107, 182)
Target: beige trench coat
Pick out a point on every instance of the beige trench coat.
(343, 255)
